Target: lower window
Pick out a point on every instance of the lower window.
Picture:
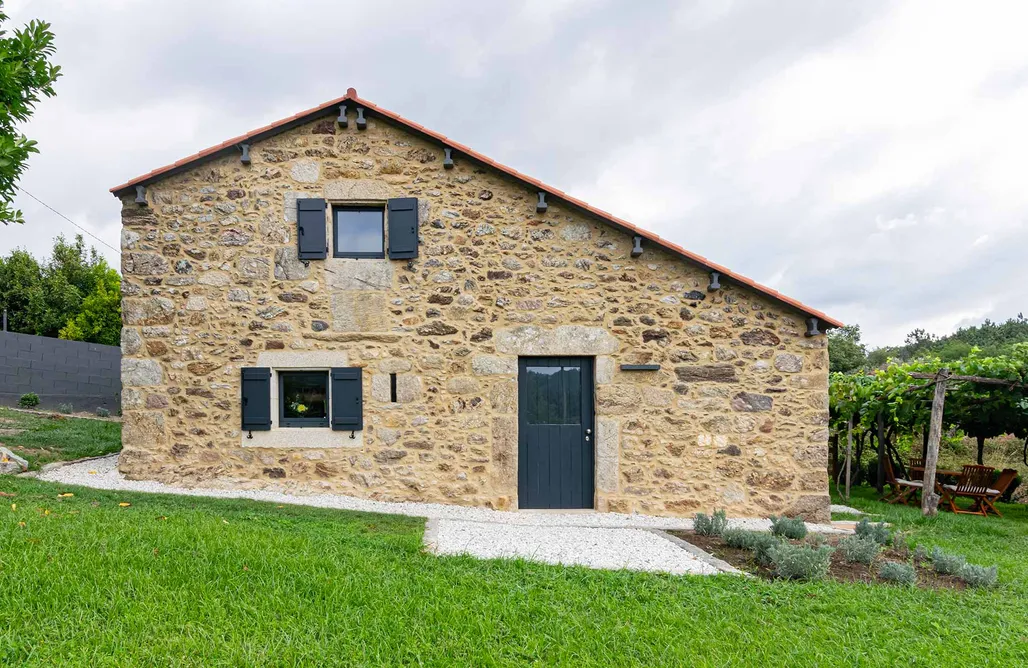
(303, 398)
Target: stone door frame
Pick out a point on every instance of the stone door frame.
(570, 341)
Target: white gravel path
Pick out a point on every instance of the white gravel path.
(599, 540)
(634, 549)
(838, 508)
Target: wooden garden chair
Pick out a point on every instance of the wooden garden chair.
(998, 488)
(974, 483)
(917, 468)
(903, 491)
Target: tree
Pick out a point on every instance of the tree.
(954, 349)
(879, 357)
(25, 73)
(20, 279)
(992, 339)
(919, 341)
(42, 298)
(845, 351)
(99, 319)
(67, 277)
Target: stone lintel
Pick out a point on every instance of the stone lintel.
(354, 337)
(308, 359)
(564, 340)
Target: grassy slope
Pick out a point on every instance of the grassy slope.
(187, 581)
(47, 439)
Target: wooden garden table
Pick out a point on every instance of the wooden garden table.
(938, 471)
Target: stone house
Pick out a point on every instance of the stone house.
(346, 301)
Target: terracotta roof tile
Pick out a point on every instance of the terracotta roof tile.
(351, 96)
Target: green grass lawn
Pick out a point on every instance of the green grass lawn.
(195, 582)
(46, 438)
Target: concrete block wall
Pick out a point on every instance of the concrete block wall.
(85, 375)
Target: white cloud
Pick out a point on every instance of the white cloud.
(866, 158)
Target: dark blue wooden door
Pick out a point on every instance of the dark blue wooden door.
(555, 432)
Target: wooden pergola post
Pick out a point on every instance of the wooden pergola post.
(929, 499)
(849, 454)
(882, 453)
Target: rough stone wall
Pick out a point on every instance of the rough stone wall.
(736, 417)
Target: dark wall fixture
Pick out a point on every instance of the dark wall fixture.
(245, 158)
(141, 195)
(362, 123)
(637, 246)
(342, 120)
(447, 158)
(640, 367)
(812, 327)
(540, 206)
(715, 281)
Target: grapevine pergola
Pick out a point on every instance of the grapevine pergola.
(989, 397)
(941, 379)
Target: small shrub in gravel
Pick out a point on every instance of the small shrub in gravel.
(790, 527)
(901, 543)
(737, 538)
(710, 526)
(762, 545)
(879, 533)
(978, 576)
(799, 562)
(67, 409)
(817, 539)
(758, 542)
(894, 571)
(947, 564)
(103, 412)
(858, 550)
(28, 400)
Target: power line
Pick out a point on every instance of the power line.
(69, 220)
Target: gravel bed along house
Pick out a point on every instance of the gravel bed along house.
(106, 476)
(598, 540)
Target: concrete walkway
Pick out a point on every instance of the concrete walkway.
(598, 540)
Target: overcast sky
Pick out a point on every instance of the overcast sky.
(868, 158)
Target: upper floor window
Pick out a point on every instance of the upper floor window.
(358, 231)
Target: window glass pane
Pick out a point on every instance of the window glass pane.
(554, 394)
(304, 395)
(573, 383)
(359, 231)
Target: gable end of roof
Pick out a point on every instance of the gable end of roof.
(232, 146)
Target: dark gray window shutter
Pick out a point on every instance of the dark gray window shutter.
(310, 229)
(403, 228)
(256, 397)
(347, 402)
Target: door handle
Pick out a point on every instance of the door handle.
(588, 431)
